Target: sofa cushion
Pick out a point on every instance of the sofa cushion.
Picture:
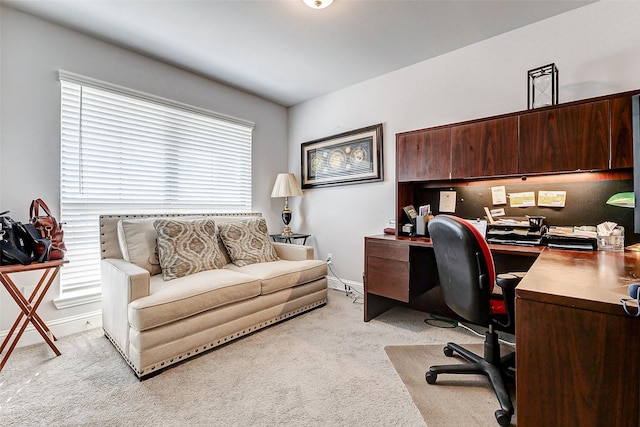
(138, 243)
(247, 241)
(181, 298)
(283, 274)
(187, 246)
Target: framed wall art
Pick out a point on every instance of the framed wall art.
(348, 158)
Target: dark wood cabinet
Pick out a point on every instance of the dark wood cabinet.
(485, 148)
(424, 155)
(577, 361)
(387, 269)
(588, 135)
(621, 132)
(565, 139)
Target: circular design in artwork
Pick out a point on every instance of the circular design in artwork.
(358, 155)
(337, 159)
(316, 163)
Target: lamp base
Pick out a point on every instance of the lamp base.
(286, 232)
(286, 218)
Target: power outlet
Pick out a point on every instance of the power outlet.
(329, 259)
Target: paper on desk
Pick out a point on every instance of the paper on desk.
(447, 201)
(606, 228)
(522, 200)
(554, 199)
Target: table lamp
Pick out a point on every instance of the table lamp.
(286, 185)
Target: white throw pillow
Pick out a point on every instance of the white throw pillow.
(138, 243)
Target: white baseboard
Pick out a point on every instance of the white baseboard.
(335, 283)
(60, 328)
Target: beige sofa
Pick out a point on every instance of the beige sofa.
(155, 323)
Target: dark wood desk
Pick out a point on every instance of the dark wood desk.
(578, 353)
(402, 270)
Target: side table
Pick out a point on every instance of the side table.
(290, 239)
(29, 307)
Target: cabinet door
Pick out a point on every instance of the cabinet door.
(621, 133)
(422, 156)
(565, 139)
(486, 148)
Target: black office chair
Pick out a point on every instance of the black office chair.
(467, 276)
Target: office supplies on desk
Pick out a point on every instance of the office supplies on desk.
(576, 238)
(390, 227)
(421, 225)
(489, 216)
(516, 231)
(480, 225)
(411, 213)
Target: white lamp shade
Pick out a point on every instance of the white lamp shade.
(286, 185)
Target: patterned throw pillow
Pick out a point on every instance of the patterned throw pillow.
(187, 247)
(247, 241)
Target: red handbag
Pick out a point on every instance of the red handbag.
(49, 227)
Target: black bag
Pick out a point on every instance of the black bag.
(20, 243)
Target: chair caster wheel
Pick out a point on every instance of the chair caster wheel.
(448, 351)
(431, 377)
(503, 417)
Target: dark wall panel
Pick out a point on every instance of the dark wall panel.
(585, 204)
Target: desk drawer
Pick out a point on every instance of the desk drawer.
(388, 250)
(388, 278)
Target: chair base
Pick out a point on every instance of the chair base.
(491, 365)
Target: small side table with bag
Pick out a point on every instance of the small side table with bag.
(28, 307)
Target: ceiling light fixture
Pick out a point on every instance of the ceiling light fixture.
(317, 4)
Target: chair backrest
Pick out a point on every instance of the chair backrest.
(465, 267)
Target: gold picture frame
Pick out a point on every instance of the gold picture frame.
(352, 157)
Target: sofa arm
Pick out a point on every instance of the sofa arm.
(122, 282)
(127, 280)
(293, 252)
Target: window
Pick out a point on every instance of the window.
(127, 152)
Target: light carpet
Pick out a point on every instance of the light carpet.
(323, 368)
(455, 400)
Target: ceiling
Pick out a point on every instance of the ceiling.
(284, 51)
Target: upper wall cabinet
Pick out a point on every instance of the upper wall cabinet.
(621, 132)
(565, 139)
(588, 135)
(485, 148)
(423, 155)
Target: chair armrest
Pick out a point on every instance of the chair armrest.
(508, 283)
(293, 252)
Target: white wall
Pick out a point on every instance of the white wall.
(595, 49)
(31, 53)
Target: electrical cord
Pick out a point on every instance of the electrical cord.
(450, 323)
(441, 322)
(348, 290)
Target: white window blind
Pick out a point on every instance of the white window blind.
(126, 152)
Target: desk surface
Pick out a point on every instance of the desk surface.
(426, 242)
(589, 280)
